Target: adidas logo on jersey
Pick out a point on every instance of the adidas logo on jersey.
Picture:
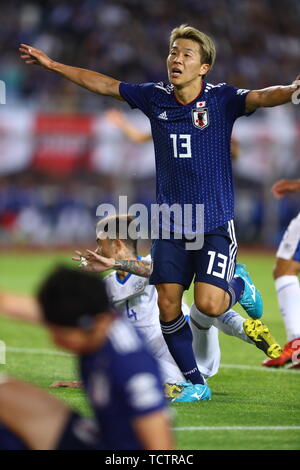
(163, 115)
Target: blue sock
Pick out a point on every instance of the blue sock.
(235, 289)
(178, 336)
(9, 441)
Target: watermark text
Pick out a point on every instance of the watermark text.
(162, 221)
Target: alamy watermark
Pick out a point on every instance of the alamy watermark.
(178, 221)
(2, 92)
(296, 94)
(2, 352)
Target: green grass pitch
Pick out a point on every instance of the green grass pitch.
(251, 408)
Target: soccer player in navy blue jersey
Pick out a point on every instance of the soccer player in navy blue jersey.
(120, 378)
(191, 123)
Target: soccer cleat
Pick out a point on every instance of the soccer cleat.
(288, 354)
(294, 366)
(193, 392)
(260, 334)
(173, 390)
(250, 299)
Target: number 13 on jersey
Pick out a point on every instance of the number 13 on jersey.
(181, 145)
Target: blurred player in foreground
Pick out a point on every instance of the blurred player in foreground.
(120, 377)
(191, 122)
(287, 285)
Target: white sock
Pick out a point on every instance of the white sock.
(205, 343)
(288, 294)
(231, 323)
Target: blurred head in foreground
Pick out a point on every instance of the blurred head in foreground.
(76, 309)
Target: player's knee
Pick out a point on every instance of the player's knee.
(209, 306)
(168, 308)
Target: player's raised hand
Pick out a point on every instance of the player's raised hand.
(93, 261)
(31, 55)
(116, 117)
(283, 187)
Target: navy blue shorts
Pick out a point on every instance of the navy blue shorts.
(79, 434)
(214, 263)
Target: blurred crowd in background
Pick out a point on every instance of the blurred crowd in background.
(257, 42)
(53, 176)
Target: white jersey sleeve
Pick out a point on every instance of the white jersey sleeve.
(120, 290)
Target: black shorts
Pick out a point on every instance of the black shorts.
(214, 263)
(80, 433)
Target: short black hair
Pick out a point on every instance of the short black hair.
(71, 297)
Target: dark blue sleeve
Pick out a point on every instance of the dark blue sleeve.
(137, 96)
(140, 381)
(234, 101)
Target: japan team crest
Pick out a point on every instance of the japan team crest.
(200, 117)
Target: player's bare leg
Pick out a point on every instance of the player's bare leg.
(211, 300)
(286, 267)
(169, 300)
(35, 416)
(214, 300)
(179, 338)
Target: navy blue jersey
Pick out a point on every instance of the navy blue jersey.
(122, 382)
(192, 145)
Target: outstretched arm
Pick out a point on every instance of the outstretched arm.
(93, 81)
(153, 431)
(272, 96)
(20, 306)
(92, 261)
(283, 187)
(118, 118)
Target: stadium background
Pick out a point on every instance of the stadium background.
(60, 158)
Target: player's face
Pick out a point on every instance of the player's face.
(71, 339)
(184, 63)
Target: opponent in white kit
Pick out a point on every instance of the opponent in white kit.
(287, 285)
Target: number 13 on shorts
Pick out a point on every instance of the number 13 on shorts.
(217, 264)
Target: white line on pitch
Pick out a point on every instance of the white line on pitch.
(53, 352)
(237, 428)
(264, 369)
(47, 352)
